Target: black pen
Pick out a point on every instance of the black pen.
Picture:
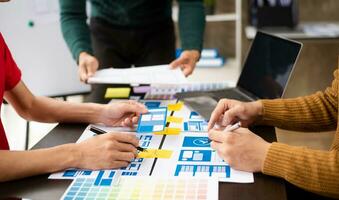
(99, 131)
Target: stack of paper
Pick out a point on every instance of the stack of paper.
(168, 91)
(158, 74)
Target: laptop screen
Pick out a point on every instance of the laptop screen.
(268, 66)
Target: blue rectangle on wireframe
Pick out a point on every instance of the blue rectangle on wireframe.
(190, 141)
(99, 177)
(134, 173)
(111, 174)
(228, 171)
(153, 121)
(152, 104)
(185, 126)
(145, 129)
(68, 198)
(145, 144)
(195, 155)
(106, 182)
(148, 137)
(87, 172)
(193, 114)
(70, 173)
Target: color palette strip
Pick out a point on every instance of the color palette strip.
(137, 188)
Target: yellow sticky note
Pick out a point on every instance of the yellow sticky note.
(155, 153)
(175, 107)
(174, 119)
(169, 131)
(117, 92)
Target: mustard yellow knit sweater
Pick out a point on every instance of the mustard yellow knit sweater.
(313, 170)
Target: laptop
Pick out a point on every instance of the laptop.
(265, 74)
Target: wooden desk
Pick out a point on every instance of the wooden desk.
(39, 187)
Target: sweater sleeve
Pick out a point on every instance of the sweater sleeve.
(74, 27)
(317, 112)
(313, 170)
(191, 24)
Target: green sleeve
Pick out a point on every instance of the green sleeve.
(74, 27)
(191, 24)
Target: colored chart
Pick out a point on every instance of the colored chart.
(144, 188)
(153, 121)
(221, 171)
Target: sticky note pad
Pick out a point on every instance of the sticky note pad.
(175, 107)
(169, 131)
(174, 119)
(155, 153)
(117, 92)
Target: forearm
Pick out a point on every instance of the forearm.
(311, 113)
(74, 27)
(19, 164)
(313, 170)
(191, 24)
(317, 112)
(44, 109)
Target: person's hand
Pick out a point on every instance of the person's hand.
(229, 111)
(124, 113)
(241, 149)
(88, 65)
(186, 61)
(107, 151)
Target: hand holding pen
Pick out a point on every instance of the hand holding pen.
(105, 151)
(239, 147)
(99, 131)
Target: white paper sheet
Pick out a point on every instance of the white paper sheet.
(158, 74)
(192, 156)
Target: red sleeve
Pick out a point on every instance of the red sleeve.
(12, 72)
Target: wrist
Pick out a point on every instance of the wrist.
(258, 109)
(75, 155)
(264, 155)
(195, 54)
(97, 111)
(69, 157)
(84, 53)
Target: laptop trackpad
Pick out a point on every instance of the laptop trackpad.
(204, 105)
